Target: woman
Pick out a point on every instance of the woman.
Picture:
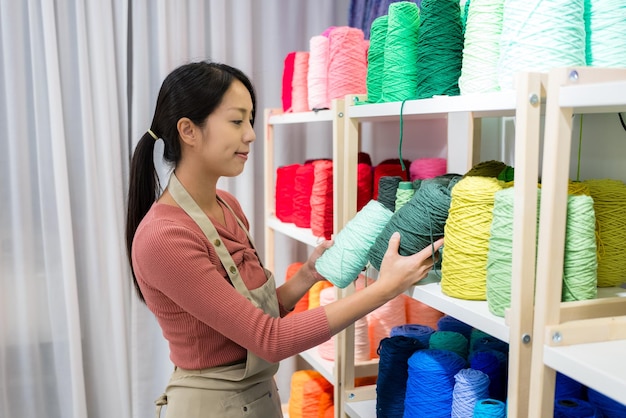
(195, 266)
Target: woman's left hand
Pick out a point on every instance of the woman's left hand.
(317, 253)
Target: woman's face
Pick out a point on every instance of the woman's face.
(228, 133)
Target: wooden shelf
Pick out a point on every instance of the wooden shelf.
(472, 312)
(480, 105)
(597, 365)
(325, 367)
(606, 97)
(300, 117)
(304, 235)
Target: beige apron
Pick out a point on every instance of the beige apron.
(240, 390)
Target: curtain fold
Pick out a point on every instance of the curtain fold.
(78, 84)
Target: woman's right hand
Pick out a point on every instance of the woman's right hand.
(398, 273)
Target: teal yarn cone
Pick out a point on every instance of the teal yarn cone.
(439, 48)
(481, 48)
(540, 35)
(342, 262)
(399, 69)
(376, 59)
(451, 341)
(420, 221)
(604, 28)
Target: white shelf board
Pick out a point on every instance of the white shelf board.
(482, 105)
(301, 117)
(473, 312)
(597, 365)
(361, 409)
(291, 230)
(325, 367)
(609, 97)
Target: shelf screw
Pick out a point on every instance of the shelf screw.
(340, 114)
(573, 75)
(526, 339)
(557, 337)
(351, 396)
(533, 99)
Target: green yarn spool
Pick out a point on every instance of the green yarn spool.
(490, 168)
(580, 264)
(399, 70)
(439, 48)
(376, 59)
(451, 341)
(481, 50)
(420, 221)
(604, 28)
(500, 252)
(404, 193)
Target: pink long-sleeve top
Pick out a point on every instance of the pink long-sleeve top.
(205, 320)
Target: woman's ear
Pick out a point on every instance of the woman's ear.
(187, 130)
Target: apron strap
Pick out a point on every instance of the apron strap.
(186, 202)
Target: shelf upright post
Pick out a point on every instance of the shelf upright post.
(268, 189)
(347, 158)
(530, 90)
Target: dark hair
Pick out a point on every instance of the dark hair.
(193, 91)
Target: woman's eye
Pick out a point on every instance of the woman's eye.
(237, 122)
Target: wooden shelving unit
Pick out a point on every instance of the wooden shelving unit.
(584, 340)
(463, 115)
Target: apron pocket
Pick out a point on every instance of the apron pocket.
(260, 400)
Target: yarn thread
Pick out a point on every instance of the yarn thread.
(470, 386)
(430, 383)
(539, 35)
(481, 49)
(604, 27)
(490, 408)
(500, 252)
(450, 341)
(388, 190)
(394, 353)
(420, 221)
(317, 80)
(303, 186)
(427, 168)
(609, 407)
(450, 323)
(342, 263)
(322, 199)
(574, 408)
(580, 261)
(376, 59)
(400, 55)
(382, 320)
(404, 193)
(467, 232)
(299, 94)
(609, 202)
(439, 49)
(347, 66)
(284, 192)
(420, 332)
(489, 363)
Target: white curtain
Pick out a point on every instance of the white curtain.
(78, 83)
